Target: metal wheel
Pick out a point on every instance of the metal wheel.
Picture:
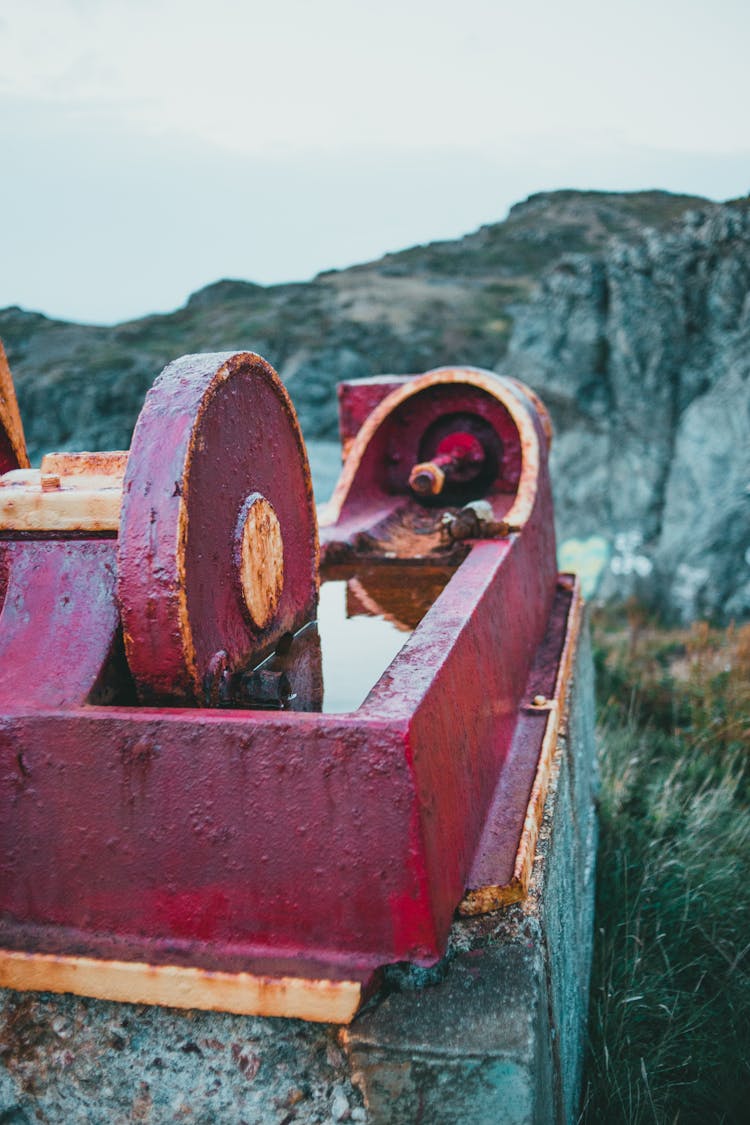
(218, 552)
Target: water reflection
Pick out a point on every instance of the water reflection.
(364, 619)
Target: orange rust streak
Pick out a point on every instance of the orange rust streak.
(261, 561)
(177, 986)
(10, 416)
(539, 406)
(570, 647)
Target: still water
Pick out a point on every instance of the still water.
(364, 619)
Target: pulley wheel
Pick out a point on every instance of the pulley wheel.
(218, 551)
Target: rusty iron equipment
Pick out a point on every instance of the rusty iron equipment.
(184, 819)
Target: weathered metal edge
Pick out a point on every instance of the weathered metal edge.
(482, 900)
(31, 509)
(10, 415)
(506, 391)
(178, 986)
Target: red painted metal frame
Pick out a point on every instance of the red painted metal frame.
(59, 621)
(227, 839)
(256, 841)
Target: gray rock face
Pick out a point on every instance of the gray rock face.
(629, 313)
(643, 355)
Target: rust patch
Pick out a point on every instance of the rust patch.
(11, 427)
(260, 559)
(84, 464)
(178, 986)
(72, 492)
(45, 504)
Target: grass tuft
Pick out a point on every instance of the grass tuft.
(670, 1005)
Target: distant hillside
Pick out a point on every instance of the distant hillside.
(83, 386)
(628, 311)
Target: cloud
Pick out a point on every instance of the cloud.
(256, 76)
(154, 147)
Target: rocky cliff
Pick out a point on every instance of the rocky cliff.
(643, 354)
(628, 312)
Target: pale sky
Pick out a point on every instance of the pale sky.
(150, 148)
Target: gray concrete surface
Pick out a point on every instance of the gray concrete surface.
(494, 1034)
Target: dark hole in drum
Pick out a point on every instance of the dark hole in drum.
(458, 493)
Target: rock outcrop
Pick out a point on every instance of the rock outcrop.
(628, 312)
(643, 354)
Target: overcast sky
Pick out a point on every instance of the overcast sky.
(149, 148)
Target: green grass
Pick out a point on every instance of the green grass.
(670, 1002)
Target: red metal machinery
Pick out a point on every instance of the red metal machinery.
(181, 823)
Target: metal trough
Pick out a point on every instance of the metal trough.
(183, 823)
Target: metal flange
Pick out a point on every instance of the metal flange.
(218, 553)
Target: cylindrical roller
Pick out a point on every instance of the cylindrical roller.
(459, 458)
(218, 554)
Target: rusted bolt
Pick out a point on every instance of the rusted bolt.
(474, 521)
(458, 459)
(427, 479)
(266, 689)
(50, 482)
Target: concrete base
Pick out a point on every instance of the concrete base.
(501, 1037)
(494, 1035)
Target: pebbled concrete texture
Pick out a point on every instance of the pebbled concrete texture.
(495, 1033)
(67, 1060)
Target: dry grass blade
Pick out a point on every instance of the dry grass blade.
(670, 1008)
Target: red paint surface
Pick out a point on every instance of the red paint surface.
(460, 455)
(358, 398)
(213, 430)
(197, 834)
(494, 858)
(58, 622)
(255, 839)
